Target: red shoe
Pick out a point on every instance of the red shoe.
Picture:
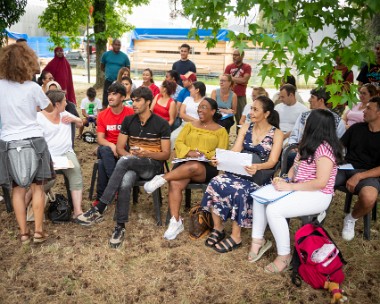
(95, 202)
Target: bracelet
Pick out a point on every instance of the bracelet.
(287, 179)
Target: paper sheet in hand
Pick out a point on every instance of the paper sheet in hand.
(233, 162)
(61, 162)
(268, 194)
(346, 167)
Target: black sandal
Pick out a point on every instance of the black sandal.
(228, 245)
(214, 237)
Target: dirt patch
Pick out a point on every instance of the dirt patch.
(76, 265)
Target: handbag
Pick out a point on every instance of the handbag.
(59, 209)
(201, 222)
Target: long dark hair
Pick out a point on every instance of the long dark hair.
(268, 106)
(42, 77)
(214, 106)
(320, 127)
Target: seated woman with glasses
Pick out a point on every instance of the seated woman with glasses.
(198, 139)
(228, 196)
(227, 101)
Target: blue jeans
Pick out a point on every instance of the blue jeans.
(126, 172)
(106, 165)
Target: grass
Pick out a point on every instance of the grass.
(76, 265)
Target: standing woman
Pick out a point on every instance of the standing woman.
(198, 138)
(227, 101)
(312, 178)
(366, 92)
(148, 82)
(60, 68)
(19, 100)
(163, 105)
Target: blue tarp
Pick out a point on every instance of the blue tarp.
(173, 33)
(41, 45)
(16, 36)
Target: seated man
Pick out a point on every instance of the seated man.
(108, 129)
(318, 100)
(289, 109)
(90, 106)
(362, 141)
(143, 145)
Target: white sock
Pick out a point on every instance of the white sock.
(349, 217)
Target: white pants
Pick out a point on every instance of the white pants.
(298, 203)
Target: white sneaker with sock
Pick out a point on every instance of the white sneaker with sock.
(175, 228)
(155, 183)
(348, 232)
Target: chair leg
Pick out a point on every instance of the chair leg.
(7, 199)
(374, 212)
(135, 194)
(367, 226)
(187, 199)
(347, 203)
(168, 217)
(93, 180)
(157, 206)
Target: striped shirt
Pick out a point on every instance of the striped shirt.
(305, 171)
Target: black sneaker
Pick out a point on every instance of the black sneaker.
(117, 237)
(90, 217)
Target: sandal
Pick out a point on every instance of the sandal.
(215, 237)
(272, 268)
(227, 244)
(41, 238)
(253, 257)
(26, 237)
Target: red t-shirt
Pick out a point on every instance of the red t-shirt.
(109, 123)
(155, 89)
(236, 71)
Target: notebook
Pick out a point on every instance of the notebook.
(268, 194)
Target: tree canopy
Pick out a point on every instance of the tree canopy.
(10, 13)
(345, 24)
(66, 17)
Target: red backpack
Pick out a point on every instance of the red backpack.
(316, 258)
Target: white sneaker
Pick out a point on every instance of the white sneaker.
(1, 198)
(348, 232)
(154, 184)
(174, 229)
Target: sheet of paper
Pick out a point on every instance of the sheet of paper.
(233, 162)
(61, 162)
(346, 167)
(268, 194)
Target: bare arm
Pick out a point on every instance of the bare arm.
(242, 80)
(72, 119)
(355, 179)
(324, 168)
(153, 102)
(183, 115)
(84, 113)
(121, 144)
(172, 112)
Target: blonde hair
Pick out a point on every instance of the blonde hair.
(260, 91)
(121, 72)
(18, 62)
(229, 77)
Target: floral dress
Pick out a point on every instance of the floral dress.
(230, 194)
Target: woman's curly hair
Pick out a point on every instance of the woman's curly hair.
(18, 62)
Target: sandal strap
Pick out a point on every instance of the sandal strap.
(215, 236)
(228, 243)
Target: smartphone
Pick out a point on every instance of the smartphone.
(134, 148)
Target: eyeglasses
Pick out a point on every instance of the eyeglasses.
(203, 107)
(223, 80)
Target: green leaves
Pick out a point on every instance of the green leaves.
(293, 41)
(10, 13)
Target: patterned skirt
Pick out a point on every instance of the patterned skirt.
(230, 197)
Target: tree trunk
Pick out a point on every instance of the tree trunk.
(100, 40)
